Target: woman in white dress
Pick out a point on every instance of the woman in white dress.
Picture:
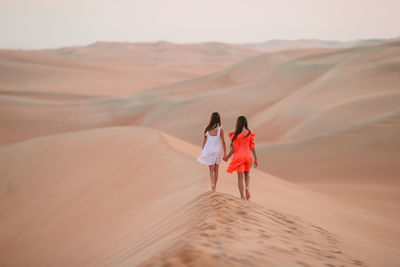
(214, 147)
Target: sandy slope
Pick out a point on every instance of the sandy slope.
(46, 91)
(124, 195)
(280, 91)
(79, 199)
(298, 102)
(226, 231)
(359, 165)
(276, 45)
(157, 53)
(325, 119)
(113, 69)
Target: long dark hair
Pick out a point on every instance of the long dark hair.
(241, 123)
(215, 121)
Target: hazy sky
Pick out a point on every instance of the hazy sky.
(32, 24)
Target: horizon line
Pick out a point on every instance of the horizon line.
(204, 42)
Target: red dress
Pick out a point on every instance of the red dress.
(243, 144)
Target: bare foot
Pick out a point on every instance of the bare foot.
(247, 193)
(213, 188)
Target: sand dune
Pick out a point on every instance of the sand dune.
(85, 198)
(81, 187)
(277, 45)
(357, 74)
(157, 53)
(79, 198)
(299, 106)
(359, 165)
(113, 68)
(253, 81)
(47, 91)
(298, 102)
(224, 227)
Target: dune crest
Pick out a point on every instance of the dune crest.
(113, 69)
(219, 229)
(300, 101)
(97, 168)
(84, 198)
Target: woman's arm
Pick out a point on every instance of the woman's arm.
(223, 141)
(204, 141)
(230, 153)
(253, 150)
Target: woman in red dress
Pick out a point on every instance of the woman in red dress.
(241, 147)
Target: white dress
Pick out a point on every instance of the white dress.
(212, 152)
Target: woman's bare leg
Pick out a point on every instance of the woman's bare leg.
(240, 184)
(247, 182)
(211, 169)
(215, 176)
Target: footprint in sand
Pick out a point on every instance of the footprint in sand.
(233, 233)
(241, 213)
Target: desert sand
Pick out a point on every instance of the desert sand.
(99, 146)
(113, 69)
(281, 44)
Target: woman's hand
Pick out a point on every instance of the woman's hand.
(255, 163)
(226, 157)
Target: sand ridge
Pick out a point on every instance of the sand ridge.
(98, 149)
(113, 69)
(298, 97)
(224, 228)
(93, 190)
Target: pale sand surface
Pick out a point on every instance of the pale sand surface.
(82, 198)
(77, 189)
(277, 45)
(321, 116)
(29, 113)
(112, 69)
(93, 198)
(50, 91)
